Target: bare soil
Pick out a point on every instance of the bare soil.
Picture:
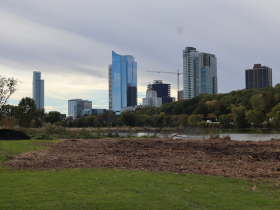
(220, 156)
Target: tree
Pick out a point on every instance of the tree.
(225, 120)
(269, 101)
(194, 119)
(53, 117)
(275, 115)
(239, 116)
(7, 87)
(183, 120)
(26, 111)
(256, 116)
(38, 116)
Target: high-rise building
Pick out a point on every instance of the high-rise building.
(152, 99)
(38, 90)
(190, 65)
(258, 77)
(122, 82)
(206, 80)
(180, 94)
(199, 73)
(76, 107)
(163, 91)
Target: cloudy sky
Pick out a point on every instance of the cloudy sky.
(71, 42)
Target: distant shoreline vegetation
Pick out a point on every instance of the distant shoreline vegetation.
(237, 109)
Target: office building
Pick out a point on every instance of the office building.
(122, 82)
(163, 91)
(38, 90)
(258, 77)
(76, 106)
(199, 73)
(152, 99)
(89, 112)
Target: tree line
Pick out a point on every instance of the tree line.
(242, 109)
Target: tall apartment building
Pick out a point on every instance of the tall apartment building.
(207, 74)
(162, 89)
(189, 72)
(258, 77)
(38, 90)
(199, 73)
(122, 82)
(76, 107)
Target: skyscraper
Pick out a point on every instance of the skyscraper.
(207, 74)
(38, 90)
(76, 107)
(122, 82)
(199, 73)
(190, 65)
(258, 77)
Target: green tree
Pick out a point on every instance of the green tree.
(26, 111)
(239, 116)
(38, 117)
(225, 120)
(269, 101)
(53, 117)
(194, 119)
(255, 118)
(7, 87)
(183, 120)
(275, 116)
(256, 102)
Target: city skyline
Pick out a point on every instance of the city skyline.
(73, 53)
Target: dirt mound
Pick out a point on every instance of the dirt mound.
(8, 134)
(221, 157)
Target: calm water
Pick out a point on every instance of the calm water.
(241, 135)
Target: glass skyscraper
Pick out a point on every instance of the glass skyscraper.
(122, 82)
(38, 90)
(207, 74)
(199, 73)
(189, 72)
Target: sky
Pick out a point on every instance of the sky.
(71, 43)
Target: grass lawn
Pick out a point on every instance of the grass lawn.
(126, 189)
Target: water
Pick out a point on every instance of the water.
(242, 135)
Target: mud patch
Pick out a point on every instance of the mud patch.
(221, 157)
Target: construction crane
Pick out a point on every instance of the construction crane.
(178, 74)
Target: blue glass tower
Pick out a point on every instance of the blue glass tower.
(122, 82)
(38, 90)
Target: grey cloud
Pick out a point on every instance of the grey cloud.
(239, 33)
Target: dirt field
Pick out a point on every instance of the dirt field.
(214, 156)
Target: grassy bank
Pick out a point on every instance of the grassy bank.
(10, 148)
(121, 189)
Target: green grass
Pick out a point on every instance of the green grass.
(10, 148)
(125, 189)
(121, 189)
